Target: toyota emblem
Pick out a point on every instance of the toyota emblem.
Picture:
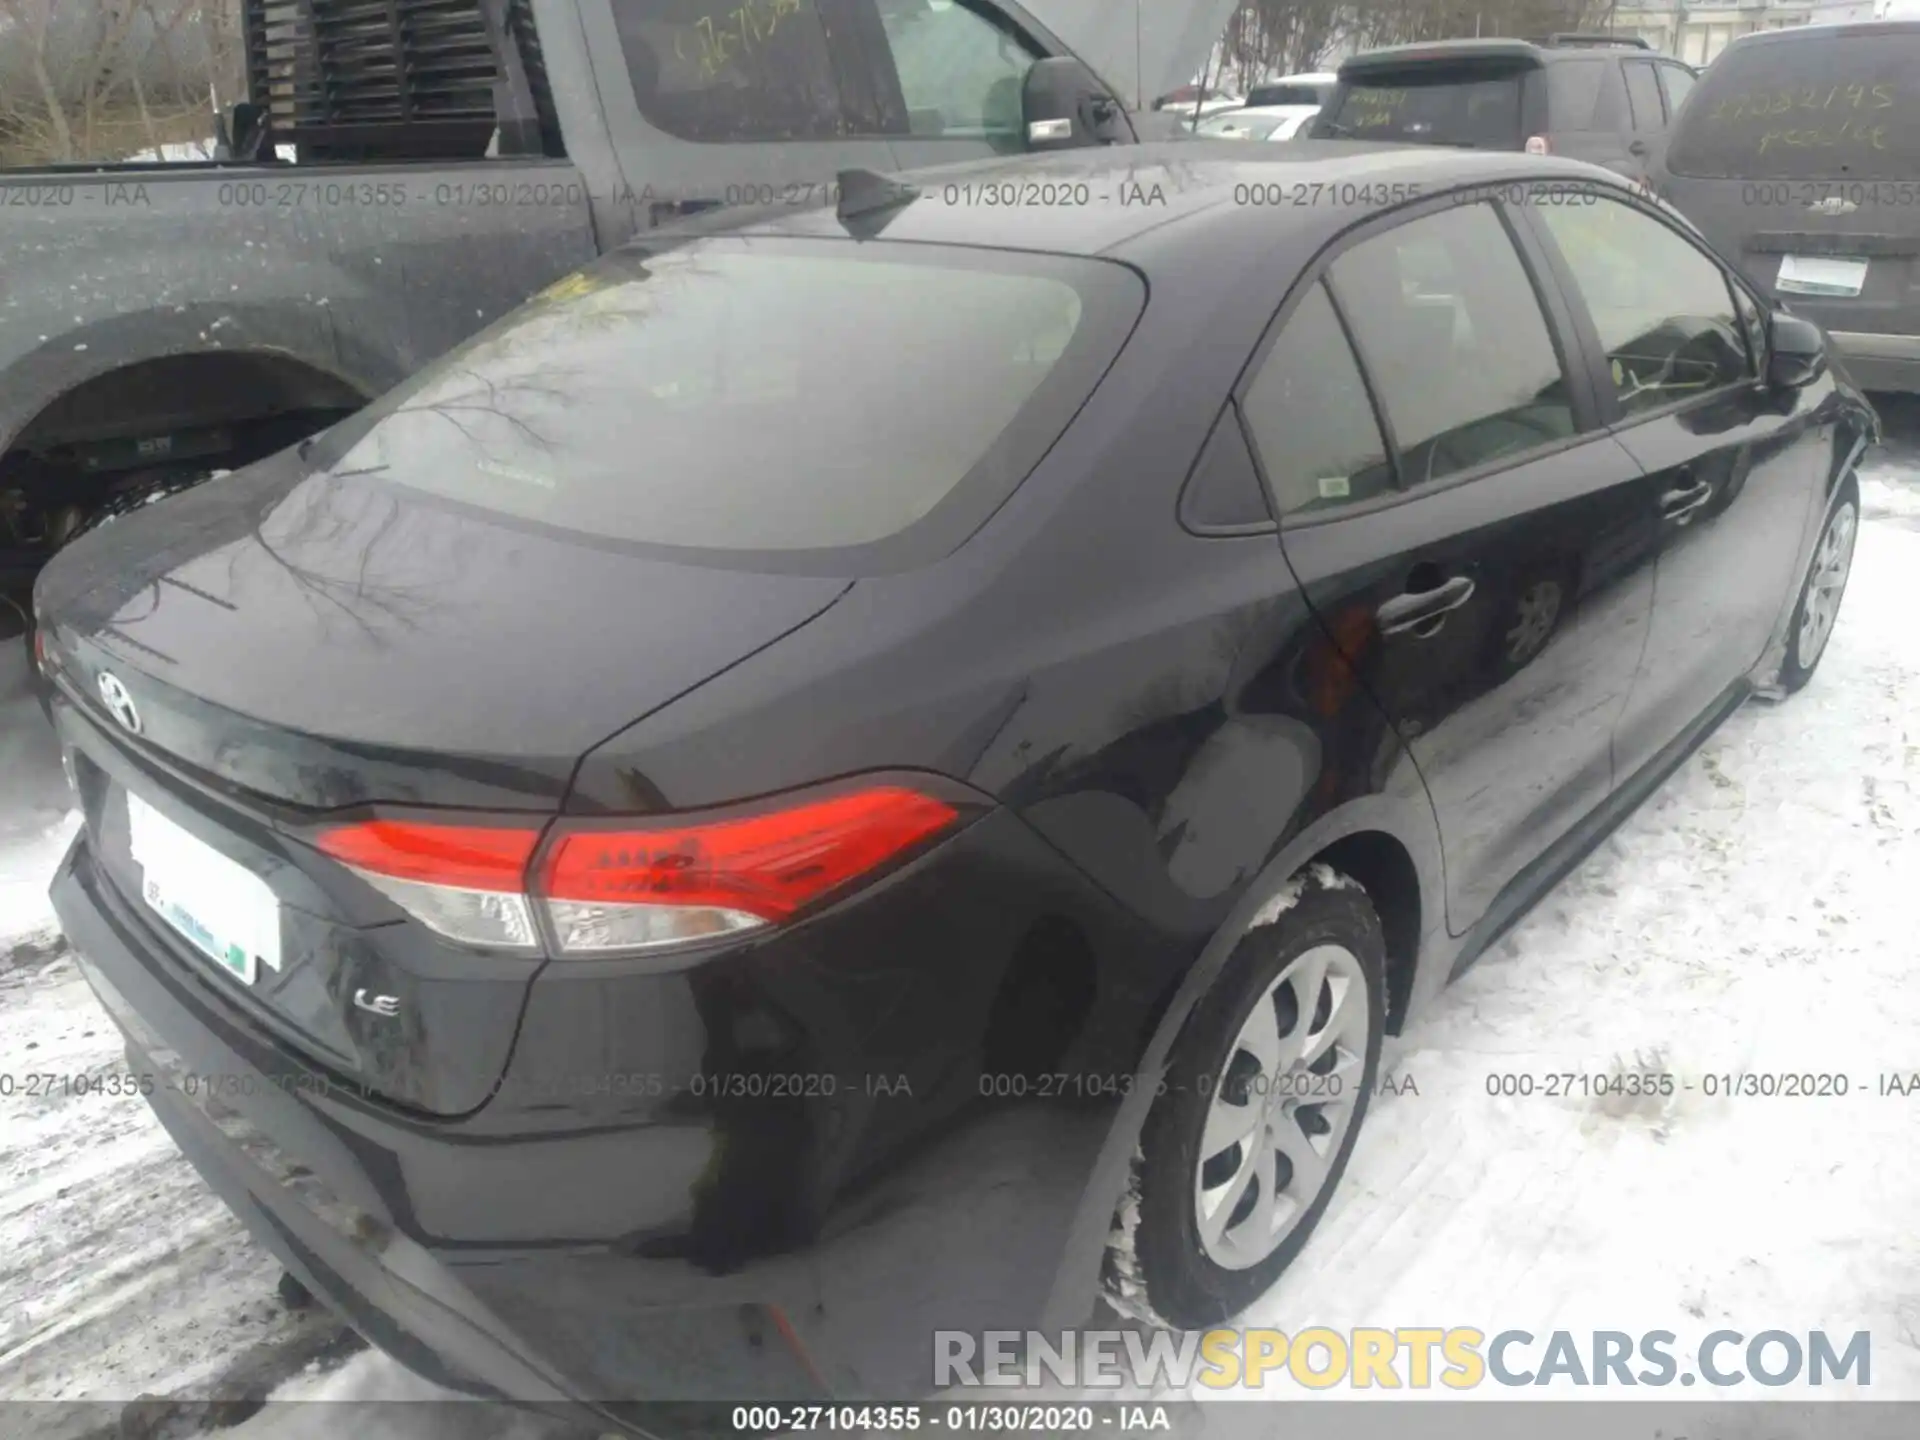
(119, 703)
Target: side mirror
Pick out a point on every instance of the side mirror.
(1065, 107)
(1796, 352)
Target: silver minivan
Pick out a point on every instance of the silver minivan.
(1798, 156)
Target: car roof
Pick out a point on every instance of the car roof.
(1826, 29)
(1393, 56)
(1186, 184)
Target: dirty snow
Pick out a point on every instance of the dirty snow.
(1757, 914)
(119, 1272)
(193, 152)
(1288, 895)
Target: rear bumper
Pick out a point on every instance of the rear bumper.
(430, 1236)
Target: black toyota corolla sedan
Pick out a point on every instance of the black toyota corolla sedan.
(843, 775)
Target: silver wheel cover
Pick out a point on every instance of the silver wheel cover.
(1281, 1106)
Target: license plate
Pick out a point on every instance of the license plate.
(225, 910)
(1820, 275)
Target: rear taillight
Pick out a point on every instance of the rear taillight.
(465, 881)
(1538, 145)
(636, 885)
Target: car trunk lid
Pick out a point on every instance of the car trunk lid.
(660, 467)
(241, 663)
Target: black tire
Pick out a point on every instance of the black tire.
(1796, 668)
(1169, 1278)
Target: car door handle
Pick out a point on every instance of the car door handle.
(1679, 504)
(1410, 612)
(1638, 147)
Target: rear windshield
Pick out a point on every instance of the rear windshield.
(756, 395)
(1839, 106)
(1285, 95)
(1435, 105)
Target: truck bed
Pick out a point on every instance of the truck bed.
(361, 271)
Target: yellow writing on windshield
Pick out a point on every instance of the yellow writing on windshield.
(714, 41)
(1851, 134)
(1759, 104)
(1372, 109)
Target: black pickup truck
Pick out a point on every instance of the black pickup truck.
(403, 174)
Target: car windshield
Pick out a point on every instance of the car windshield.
(753, 394)
(1295, 94)
(1842, 106)
(1433, 105)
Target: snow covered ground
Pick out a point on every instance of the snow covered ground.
(1758, 914)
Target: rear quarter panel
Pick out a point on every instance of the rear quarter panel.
(1158, 708)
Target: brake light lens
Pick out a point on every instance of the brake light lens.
(465, 882)
(637, 887)
(468, 857)
(1538, 145)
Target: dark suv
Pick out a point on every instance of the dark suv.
(1800, 162)
(1603, 99)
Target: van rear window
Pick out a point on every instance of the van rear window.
(1817, 107)
(1432, 105)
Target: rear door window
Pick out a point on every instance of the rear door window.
(757, 395)
(1452, 336)
(1812, 106)
(1310, 418)
(1473, 105)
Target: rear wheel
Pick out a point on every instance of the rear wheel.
(1266, 1091)
(1821, 592)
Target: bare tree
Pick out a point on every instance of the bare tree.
(86, 80)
